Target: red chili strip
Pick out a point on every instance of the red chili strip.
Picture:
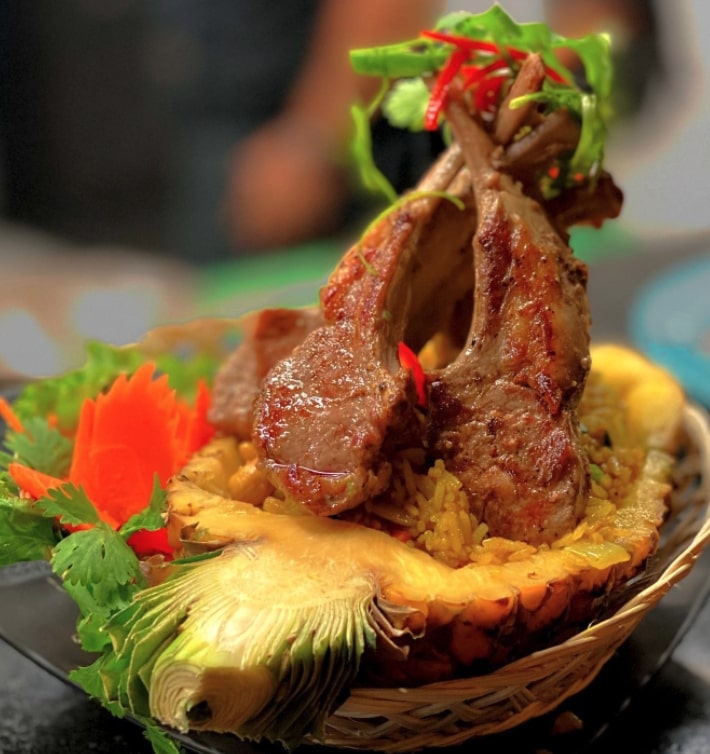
(515, 53)
(478, 45)
(475, 45)
(146, 543)
(440, 90)
(463, 43)
(472, 74)
(409, 361)
(488, 93)
(556, 77)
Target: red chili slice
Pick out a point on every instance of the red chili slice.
(463, 43)
(488, 92)
(473, 74)
(409, 361)
(478, 45)
(437, 100)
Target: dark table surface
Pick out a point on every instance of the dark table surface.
(660, 709)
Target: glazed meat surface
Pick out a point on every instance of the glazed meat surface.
(328, 417)
(503, 413)
(269, 336)
(491, 271)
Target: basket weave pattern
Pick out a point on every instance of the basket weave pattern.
(451, 712)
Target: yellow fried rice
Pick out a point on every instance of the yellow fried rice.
(427, 508)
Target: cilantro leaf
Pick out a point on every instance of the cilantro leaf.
(41, 447)
(137, 633)
(91, 626)
(98, 681)
(159, 739)
(101, 574)
(91, 679)
(99, 561)
(70, 504)
(24, 534)
(405, 106)
(151, 517)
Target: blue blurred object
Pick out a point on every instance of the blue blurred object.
(670, 322)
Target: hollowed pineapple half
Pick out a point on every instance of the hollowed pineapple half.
(279, 613)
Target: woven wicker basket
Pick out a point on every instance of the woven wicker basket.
(451, 712)
(448, 713)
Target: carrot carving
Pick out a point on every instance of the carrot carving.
(138, 429)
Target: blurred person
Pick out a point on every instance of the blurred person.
(261, 95)
(657, 148)
(286, 181)
(82, 139)
(660, 155)
(240, 141)
(639, 64)
(639, 60)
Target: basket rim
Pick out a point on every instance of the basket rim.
(617, 626)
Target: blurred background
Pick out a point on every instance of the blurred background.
(167, 159)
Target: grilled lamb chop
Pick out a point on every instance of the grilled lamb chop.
(328, 416)
(269, 336)
(528, 143)
(503, 413)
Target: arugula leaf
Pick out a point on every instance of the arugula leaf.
(370, 175)
(420, 56)
(402, 60)
(25, 534)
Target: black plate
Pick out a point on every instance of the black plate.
(38, 619)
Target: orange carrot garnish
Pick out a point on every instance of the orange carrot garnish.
(137, 430)
(35, 483)
(126, 437)
(9, 416)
